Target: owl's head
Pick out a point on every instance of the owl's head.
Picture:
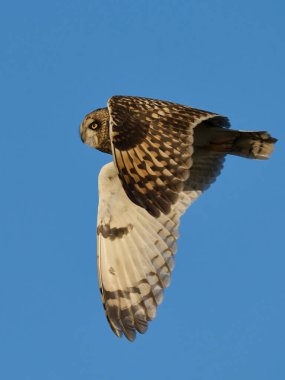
(94, 130)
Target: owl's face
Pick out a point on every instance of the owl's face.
(94, 130)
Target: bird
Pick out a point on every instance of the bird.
(165, 155)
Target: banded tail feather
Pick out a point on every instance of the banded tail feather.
(255, 145)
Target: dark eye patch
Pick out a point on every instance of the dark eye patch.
(94, 125)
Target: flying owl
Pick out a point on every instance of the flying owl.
(164, 156)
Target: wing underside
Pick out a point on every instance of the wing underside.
(135, 255)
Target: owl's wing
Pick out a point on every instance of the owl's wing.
(135, 254)
(152, 145)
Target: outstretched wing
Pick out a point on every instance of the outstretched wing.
(152, 143)
(135, 254)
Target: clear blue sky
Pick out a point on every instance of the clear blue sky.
(223, 316)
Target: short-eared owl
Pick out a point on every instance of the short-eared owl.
(164, 156)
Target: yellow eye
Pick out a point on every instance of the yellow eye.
(93, 126)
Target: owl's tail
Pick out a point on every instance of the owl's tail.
(257, 145)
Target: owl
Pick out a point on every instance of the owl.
(165, 155)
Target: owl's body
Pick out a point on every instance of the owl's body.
(165, 155)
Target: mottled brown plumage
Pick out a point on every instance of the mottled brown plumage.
(165, 155)
(94, 130)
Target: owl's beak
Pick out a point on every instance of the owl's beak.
(81, 133)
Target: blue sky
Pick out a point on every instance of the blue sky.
(223, 316)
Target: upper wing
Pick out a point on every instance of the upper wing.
(152, 143)
(135, 254)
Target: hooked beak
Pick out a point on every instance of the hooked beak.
(81, 133)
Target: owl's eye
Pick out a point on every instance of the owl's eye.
(93, 125)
